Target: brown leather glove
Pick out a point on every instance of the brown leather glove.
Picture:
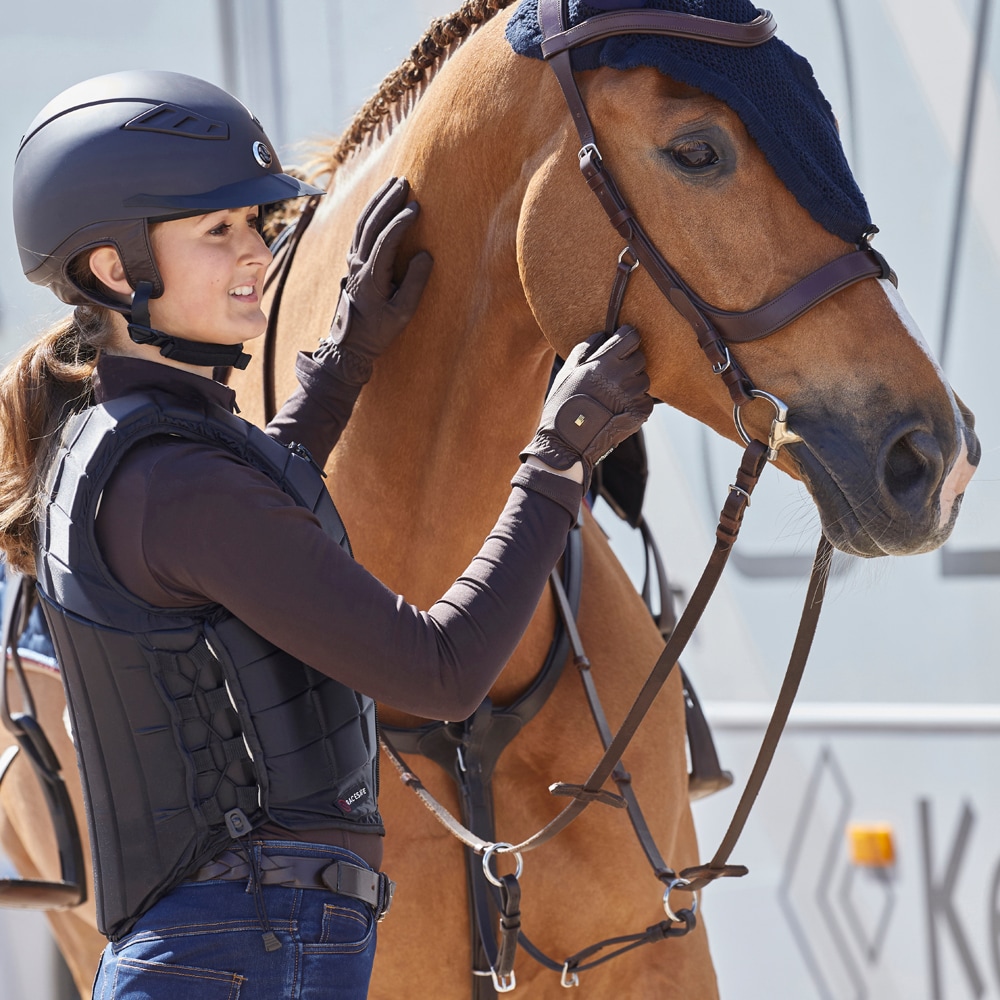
(599, 398)
(372, 311)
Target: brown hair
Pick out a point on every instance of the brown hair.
(49, 379)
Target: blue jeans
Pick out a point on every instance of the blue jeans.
(204, 941)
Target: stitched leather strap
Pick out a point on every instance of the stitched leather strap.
(662, 22)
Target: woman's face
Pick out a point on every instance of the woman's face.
(213, 273)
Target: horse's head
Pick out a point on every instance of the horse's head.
(886, 447)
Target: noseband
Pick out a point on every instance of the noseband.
(715, 328)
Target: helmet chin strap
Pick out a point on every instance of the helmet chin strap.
(188, 352)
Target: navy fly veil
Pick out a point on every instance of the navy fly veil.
(769, 86)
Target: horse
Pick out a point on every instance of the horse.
(523, 257)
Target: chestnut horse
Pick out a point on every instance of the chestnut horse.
(524, 258)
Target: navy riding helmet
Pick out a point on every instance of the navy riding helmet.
(108, 156)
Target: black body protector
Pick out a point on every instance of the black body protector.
(191, 730)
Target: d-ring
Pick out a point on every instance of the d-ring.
(780, 433)
(677, 883)
(631, 253)
(503, 847)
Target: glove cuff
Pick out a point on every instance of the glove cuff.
(342, 363)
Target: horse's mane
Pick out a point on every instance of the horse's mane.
(390, 104)
(400, 89)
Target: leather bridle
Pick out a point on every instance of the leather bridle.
(715, 328)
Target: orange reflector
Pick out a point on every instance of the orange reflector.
(871, 845)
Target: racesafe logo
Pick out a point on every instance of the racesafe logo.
(345, 804)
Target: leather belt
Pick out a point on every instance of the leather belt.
(295, 872)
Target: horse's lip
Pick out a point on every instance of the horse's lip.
(852, 538)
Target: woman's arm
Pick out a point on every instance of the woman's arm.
(182, 523)
(371, 312)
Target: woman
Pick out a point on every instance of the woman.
(221, 650)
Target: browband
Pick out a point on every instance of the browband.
(662, 22)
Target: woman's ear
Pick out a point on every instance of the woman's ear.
(106, 266)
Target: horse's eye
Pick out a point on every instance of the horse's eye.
(694, 154)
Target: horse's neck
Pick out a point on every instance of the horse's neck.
(424, 466)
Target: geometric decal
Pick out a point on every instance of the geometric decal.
(867, 893)
(826, 900)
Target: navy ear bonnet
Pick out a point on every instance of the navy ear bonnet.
(769, 86)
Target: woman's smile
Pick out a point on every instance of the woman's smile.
(212, 268)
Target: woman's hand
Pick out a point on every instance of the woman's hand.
(372, 310)
(599, 398)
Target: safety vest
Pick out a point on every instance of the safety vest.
(190, 728)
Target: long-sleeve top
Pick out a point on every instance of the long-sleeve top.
(183, 524)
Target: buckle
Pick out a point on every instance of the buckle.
(374, 888)
(386, 890)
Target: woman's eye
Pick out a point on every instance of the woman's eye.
(695, 154)
(221, 229)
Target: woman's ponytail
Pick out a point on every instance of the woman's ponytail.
(47, 380)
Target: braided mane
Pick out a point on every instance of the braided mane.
(390, 104)
(400, 89)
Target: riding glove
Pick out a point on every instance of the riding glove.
(372, 310)
(598, 399)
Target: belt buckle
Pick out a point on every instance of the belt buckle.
(377, 892)
(386, 890)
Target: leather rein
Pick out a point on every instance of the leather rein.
(474, 745)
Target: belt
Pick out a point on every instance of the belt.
(374, 888)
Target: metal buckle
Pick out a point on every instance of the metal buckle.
(568, 979)
(677, 883)
(590, 150)
(733, 488)
(718, 367)
(629, 252)
(780, 433)
(386, 890)
(502, 984)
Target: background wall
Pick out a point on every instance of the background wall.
(898, 719)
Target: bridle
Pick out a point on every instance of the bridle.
(715, 328)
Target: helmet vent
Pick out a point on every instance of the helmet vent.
(171, 119)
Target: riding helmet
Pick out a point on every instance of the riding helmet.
(116, 152)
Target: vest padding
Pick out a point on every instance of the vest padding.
(181, 715)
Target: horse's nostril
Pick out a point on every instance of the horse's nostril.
(912, 468)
